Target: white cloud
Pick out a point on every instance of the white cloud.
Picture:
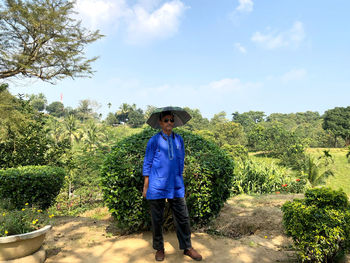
(144, 21)
(101, 13)
(293, 75)
(290, 38)
(245, 6)
(240, 48)
(230, 85)
(144, 26)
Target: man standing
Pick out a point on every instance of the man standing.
(162, 171)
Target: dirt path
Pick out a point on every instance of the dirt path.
(81, 240)
(254, 225)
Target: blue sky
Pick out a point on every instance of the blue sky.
(227, 55)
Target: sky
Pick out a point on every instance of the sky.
(226, 55)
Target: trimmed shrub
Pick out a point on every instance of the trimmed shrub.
(319, 224)
(263, 178)
(36, 185)
(208, 176)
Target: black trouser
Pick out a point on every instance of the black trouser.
(181, 220)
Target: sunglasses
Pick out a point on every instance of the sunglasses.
(166, 120)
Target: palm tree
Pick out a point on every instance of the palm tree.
(92, 135)
(71, 129)
(312, 168)
(73, 133)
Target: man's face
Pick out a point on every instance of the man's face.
(167, 123)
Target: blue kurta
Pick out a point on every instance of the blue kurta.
(164, 164)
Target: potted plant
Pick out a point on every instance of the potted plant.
(22, 232)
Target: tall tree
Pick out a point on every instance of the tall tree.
(55, 108)
(218, 118)
(87, 110)
(248, 119)
(38, 102)
(41, 39)
(197, 121)
(337, 121)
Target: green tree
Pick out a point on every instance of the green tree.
(136, 118)
(111, 119)
(91, 136)
(337, 122)
(218, 118)
(149, 110)
(55, 109)
(197, 121)
(41, 39)
(71, 129)
(11, 116)
(122, 114)
(317, 170)
(248, 119)
(87, 110)
(230, 133)
(26, 142)
(38, 102)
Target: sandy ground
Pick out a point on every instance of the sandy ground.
(247, 230)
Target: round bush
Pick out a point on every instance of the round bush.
(208, 177)
(319, 225)
(35, 185)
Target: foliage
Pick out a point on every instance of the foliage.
(337, 121)
(87, 110)
(262, 178)
(128, 114)
(197, 122)
(218, 118)
(10, 112)
(41, 39)
(91, 141)
(25, 137)
(38, 102)
(317, 170)
(277, 142)
(56, 109)
(229, 133)
(37, 185)
(208, 177)
(27, 219)
(319, 224)
(111, 119)
(237, 152)
(248, 119)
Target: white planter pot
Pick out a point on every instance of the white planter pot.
(22, 245)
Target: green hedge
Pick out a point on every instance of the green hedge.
(36, 185)
(208, 177)
(319, 224)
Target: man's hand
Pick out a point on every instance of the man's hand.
(145, 186)
(144, 191)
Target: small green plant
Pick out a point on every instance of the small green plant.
(27, 219)
(319, 224)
